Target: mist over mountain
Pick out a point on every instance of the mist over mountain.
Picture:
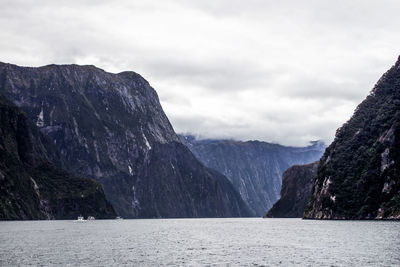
(255, 168)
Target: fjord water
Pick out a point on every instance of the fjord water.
(245, 241)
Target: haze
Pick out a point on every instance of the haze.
(278, 71)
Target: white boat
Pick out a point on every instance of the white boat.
(80, 219)
(91, 218)
(119, 218)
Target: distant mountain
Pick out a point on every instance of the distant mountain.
(34, 187)
(254, 168)
(111, 127)
(297, 182)
(359, 174)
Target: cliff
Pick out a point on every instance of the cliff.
(111, 127)
(359, 174)
(31, 186)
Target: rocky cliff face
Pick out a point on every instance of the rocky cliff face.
(31, 187)
(297, 182)
(254, 168)
(111, 127)
(359, 174)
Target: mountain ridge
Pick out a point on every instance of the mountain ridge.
(255, 168)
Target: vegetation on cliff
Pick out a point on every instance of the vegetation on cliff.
(359, 174)
(32, 183)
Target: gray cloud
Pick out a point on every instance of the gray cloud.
(281, 71)
(213, 75)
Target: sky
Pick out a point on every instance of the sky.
(286, 72)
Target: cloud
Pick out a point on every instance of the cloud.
(281, 71)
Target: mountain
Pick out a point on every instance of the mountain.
(297, 182)
(111, 127)
(31, 186)
(254, 168)
(359, 174)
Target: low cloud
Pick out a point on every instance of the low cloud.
(286, 72)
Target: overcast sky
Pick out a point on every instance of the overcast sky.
(278, 71)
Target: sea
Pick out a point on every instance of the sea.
(200, 242)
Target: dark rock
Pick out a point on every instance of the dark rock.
(32, 187)
(297, 182)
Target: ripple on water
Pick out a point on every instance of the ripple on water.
(257, 242)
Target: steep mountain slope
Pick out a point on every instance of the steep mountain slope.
(359, 174)
(297, 182)
(33, 188)
(111, 127)
(254, 168)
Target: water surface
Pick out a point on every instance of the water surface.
(246, 241)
